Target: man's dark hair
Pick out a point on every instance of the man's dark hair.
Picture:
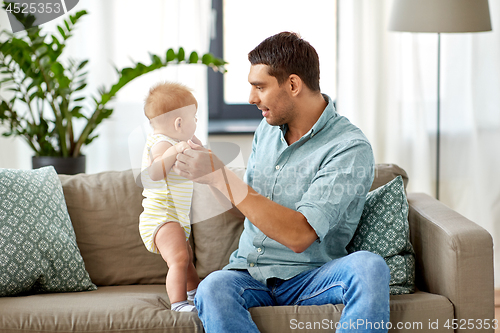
(287, 53)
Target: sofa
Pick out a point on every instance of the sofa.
(454, 268)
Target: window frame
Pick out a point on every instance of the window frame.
(223, 117)
(226, 118)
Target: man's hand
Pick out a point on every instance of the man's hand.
(196, 164)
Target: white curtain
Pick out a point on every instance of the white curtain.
(113, 34)
(387, 85)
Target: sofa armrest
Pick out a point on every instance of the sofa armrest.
(454, 258)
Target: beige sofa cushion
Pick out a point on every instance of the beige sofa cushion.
(409, 313)
(215, 231)
(104, 209)
(127, 309)
(146, 309)
(384, 173)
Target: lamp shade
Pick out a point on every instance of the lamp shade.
(440, 16)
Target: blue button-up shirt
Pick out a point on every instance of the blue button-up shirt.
(325, 175)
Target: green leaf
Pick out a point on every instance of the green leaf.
(63, 81)
(127, 72)
(57, 68)
(33, 95)
(79, 14)
(170, 55)
(83, 74)
(155, 59)
(81, 87)
(140, 66)
(82, 64)
(193, 58)
(41, 49)
(61, 31)
(207, 59)
(6, 80)
(56, 43)
(90, 139)
(45, 61)
(218, 62)
(181, 55)
(43, 127)
(4, 107)
(105, 98)
(75, 112)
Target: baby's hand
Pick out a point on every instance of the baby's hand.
(181, 146)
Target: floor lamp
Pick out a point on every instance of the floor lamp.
(440, 16)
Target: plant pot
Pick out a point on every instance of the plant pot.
(63, 165)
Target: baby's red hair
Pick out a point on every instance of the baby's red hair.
(167, 96)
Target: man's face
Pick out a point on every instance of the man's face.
(274, 101)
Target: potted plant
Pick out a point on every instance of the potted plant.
(47, 97)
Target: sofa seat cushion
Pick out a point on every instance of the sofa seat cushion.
(408, 309)
(145, 308)
(135, 308)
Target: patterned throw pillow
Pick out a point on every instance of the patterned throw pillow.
(38, 250)
(383, 229)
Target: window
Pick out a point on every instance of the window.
(242, 25)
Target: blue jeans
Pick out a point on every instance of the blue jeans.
(360, 281)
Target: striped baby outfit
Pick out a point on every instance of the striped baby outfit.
(165, 200)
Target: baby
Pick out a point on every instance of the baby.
(164, 224)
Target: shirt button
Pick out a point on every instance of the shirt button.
(268, 197)
(259, 250)
(252, 264)
(282, 140)
(277, 167)
(312, 135)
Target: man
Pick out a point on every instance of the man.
(304, 191)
